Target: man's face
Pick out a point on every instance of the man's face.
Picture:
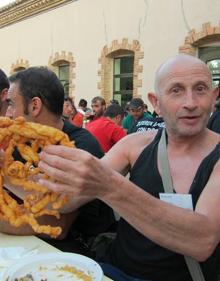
(16, 106)
(186, 98)
(67, 109)
(137, 113)
(98, 108)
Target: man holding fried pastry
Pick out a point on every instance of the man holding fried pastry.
(38, 96)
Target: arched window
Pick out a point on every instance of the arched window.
(211, 56)
(123, 72)
(63, 69)
(63, 65)
(214, 66)
(120, 69)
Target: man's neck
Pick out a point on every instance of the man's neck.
(187, 143)
(3, 109)
(52, 121)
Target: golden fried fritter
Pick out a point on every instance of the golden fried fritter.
(28, 139)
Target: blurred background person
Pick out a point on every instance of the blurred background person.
(70, 112)
(136, 113)
(214, 120)
(82, 107)
(98, 105)
(107, 129)
(114, 102)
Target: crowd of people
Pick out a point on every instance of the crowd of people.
(154, 233)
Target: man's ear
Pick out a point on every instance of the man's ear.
(118, 119)
(4, 94)
(36, 106)
(152, 97)
(216, 92)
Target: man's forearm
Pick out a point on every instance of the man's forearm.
(177, 229)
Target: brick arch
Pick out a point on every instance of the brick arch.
(194, 39)
(63, 56)
(18, 65)
(106, 61)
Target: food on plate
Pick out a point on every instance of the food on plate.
(26, 140)
(78, 273)
(74, 274)
(28, 277)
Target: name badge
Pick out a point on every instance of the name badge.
(179, 200)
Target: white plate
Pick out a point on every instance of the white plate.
(51, 267)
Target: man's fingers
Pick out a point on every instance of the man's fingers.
(56, 186)
(64, 152)
(55, 168)
(64, 158)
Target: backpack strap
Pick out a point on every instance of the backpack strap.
(193, 266)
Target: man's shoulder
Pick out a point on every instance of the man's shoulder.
(83, 139)
(97, 121)
(128, 118)
(71, 130)
(127, 121)
(132, 145)
(138, 139)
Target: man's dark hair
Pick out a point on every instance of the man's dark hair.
(68, 99)
(72, 103)
(4, 83)
(98, 98)
(83, 103)
(136, 103)
(114, 102)
(113, 110)
(43, 83)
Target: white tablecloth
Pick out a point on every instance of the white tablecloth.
(29, 242)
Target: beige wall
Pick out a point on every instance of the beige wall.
(84, 27)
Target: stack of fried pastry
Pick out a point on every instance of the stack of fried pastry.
(28, 139)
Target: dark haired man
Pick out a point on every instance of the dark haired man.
(38, 95)
(98, 105)
(107, 129)
(214, 120)
(4, 86)
(82, 106)
(136, 113)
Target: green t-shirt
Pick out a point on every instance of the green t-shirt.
(128, 122)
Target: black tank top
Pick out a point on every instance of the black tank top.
(140, 257)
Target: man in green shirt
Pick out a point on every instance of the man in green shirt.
(136, 113)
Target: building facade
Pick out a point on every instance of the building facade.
(110, 48)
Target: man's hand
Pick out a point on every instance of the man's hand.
(74, 171)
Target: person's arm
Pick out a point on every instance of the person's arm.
(195, 234)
